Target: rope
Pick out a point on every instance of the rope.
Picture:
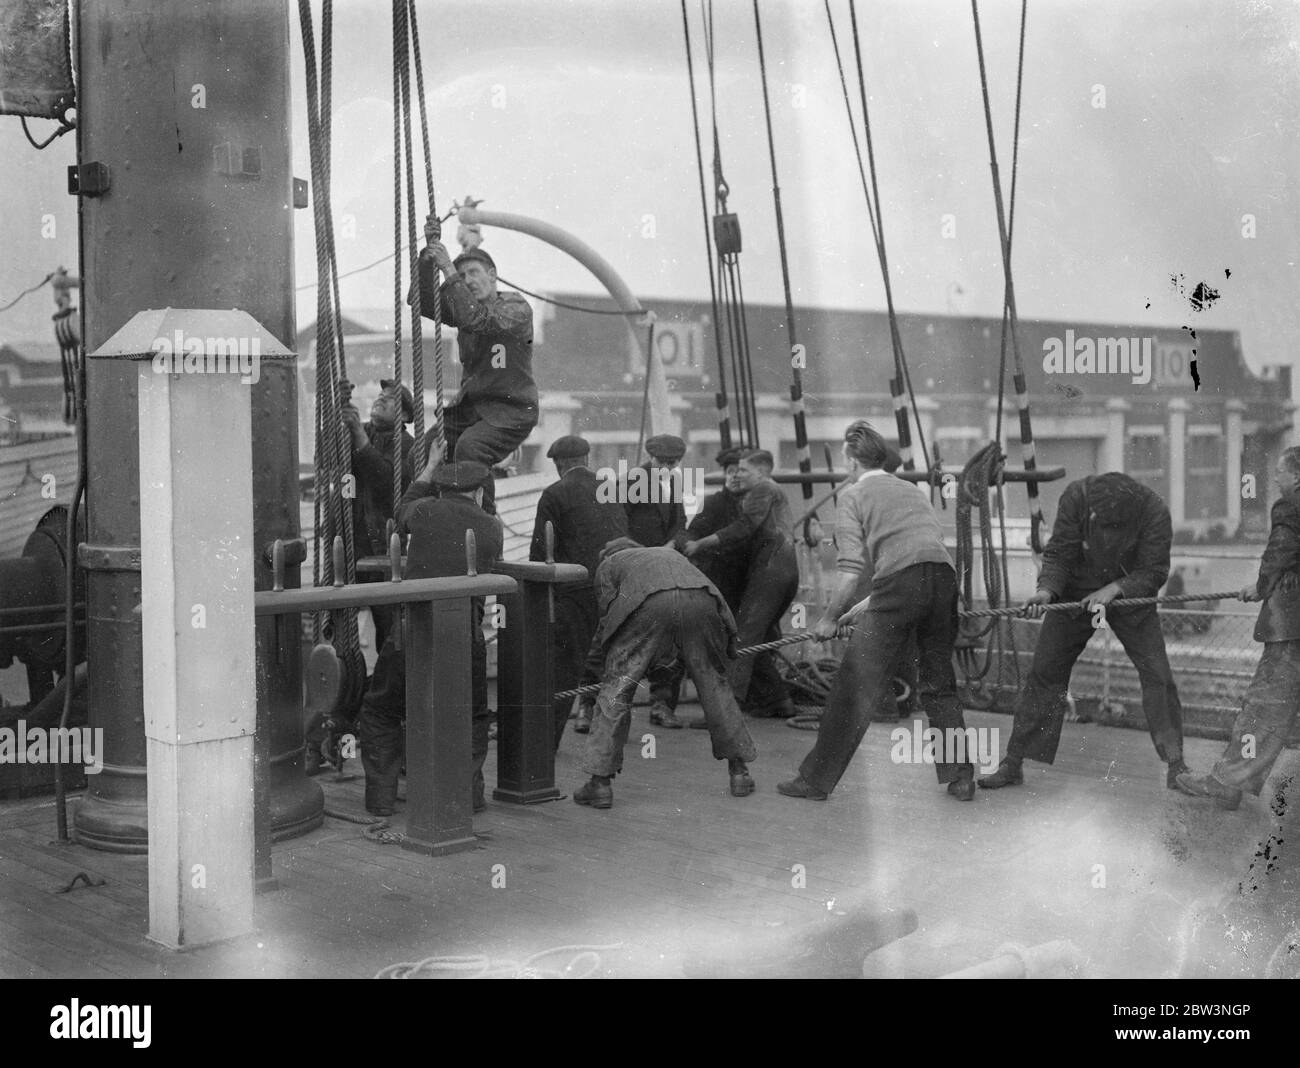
(1022, 393)
(1124, 602)
(25, 292)
(796, 377)
(1011, 214)
(901, 371)
(572, 307)
(724, 416)
(417, 371)
(585, 963)
(401, 104)
(1063, 606)
(727, 268)
(332, 512)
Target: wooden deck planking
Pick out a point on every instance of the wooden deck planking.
(678, 866)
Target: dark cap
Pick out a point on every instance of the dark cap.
(727, 457)
(1113, 498)
(617, 545)
(568, 447)
(408, 401)
(474, 254)
(461, 476)
(666, 447)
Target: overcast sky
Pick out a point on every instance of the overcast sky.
(1200, 128)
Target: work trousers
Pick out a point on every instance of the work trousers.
(669, 624)
(470, 437)
(770, 590)
(576, 617)
(1040, 709)
(920, 601)
(1267, 713)
(381, 726)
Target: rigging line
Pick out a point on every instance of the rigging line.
(25, 292)
(399, 56)
(744, 372)
(417, 327)
(65, 127)
(853, 131)
(749, 359)
(438, 383)
(1011, 211)
(749, 433)
(895, 335)
(1026, 428)
(571, 307)
(796, 378)
(724, 422)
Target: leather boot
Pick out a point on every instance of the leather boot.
(1008, 774)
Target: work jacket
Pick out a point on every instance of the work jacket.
(1279, 618)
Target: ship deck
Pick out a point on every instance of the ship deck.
(678, 871)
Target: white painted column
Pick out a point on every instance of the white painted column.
(200, 700)
(555, 420)
(1113, 448)
(1178, 460)
(1233, 442)
(926, 409)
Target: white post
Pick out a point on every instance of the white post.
(1113, 458)
(1233, 442)
(200, 702)
(1178, 460)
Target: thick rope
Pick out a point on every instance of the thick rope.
(417, 369)
(399, 61)
(417, 326)
(332, 511)
(1062, 606)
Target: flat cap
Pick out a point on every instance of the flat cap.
(475, 254)
(666, 447)
(461, 476)
(727, 457)
(408, 401)
(567, 447)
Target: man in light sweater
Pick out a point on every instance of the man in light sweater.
(914, 593)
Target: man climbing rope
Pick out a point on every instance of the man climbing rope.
(497, 407)
(1272, 701)
(1111, 540)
